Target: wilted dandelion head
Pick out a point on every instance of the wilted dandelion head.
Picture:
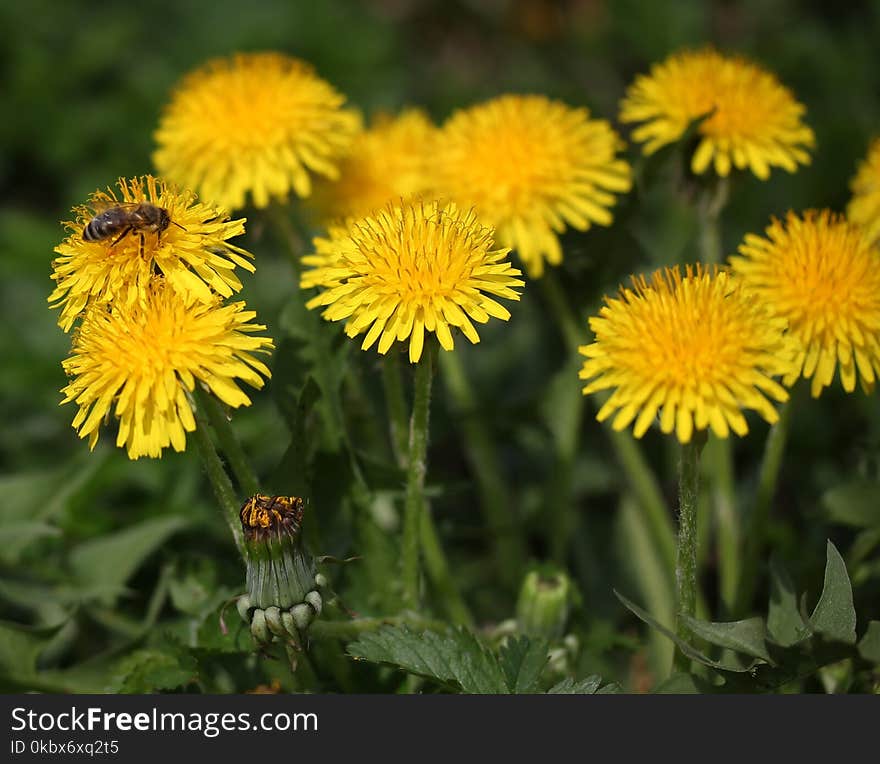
(388, 162)
(255, 123)
(753, 121)
(531, 167)
(864, 207)
(822, 275)
(410, 268)
(695, 349)
(192, 253)
(138, 362)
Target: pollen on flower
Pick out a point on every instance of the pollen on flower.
(193, 252)
(410, 269)
(820, 274)
(695, 349)
(531, 167)
(138, 363)
(258, 124)
(751, 121)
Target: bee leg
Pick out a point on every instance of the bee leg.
(121, 236)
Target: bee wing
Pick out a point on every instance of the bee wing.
(102, 204)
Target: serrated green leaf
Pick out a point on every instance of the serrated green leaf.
(612, 688)
(145, 671)
(111, 560)
(742, 636)
(687, 649)
(785, 626)
(869, 644)
(835, 614)
(454, 658)
(19, 648)
(522, 661)
(569, 686)
(854, 503)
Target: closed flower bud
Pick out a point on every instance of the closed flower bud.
(544, 604)
(282, 596)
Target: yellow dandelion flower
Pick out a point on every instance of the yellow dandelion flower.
(388, 162)
(255, 123)
(531, 167)
(412, 268)
(822, 275)
(864, 207)
(754, 121)
(148, 228)
(696, 349)
(139, 362)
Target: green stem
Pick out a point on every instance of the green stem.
(686, 557)
(439, 573)
(756, 530)
(709, 207)
(495, 499)
(572, 328)
(229, 444)
(220, 481)
(396, 402)
(415, 478)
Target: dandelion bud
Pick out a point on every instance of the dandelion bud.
(282, 597)
(544, 604)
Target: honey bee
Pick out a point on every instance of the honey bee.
(125, 218)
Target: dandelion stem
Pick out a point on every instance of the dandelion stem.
(229, 444)
(436, 565)
(396, 403)
(494, 495)
(414, 507)
(756, 529)
(709, 207)
(686, 557)
(220, 481)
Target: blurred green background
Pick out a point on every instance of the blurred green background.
(83, 84)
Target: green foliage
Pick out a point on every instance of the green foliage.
(762, 655)
(118, 576)
(459, 661)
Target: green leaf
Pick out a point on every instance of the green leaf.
(522, 661)
(869, 644)
(456, 658)
(854, 503)
(19, 648)
(149, 670)
(687, 649)
(111, 560)
(835, 615)
(742, 636)
(785, 626)
(569, 686)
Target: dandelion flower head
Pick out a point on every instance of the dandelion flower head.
(256, 123)
(138, 363)
(864, 207)
(695, 349)
(531, 167)
(753, 120)
(822, 275)
(192, 252)
(411, 268)
(388, 162)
